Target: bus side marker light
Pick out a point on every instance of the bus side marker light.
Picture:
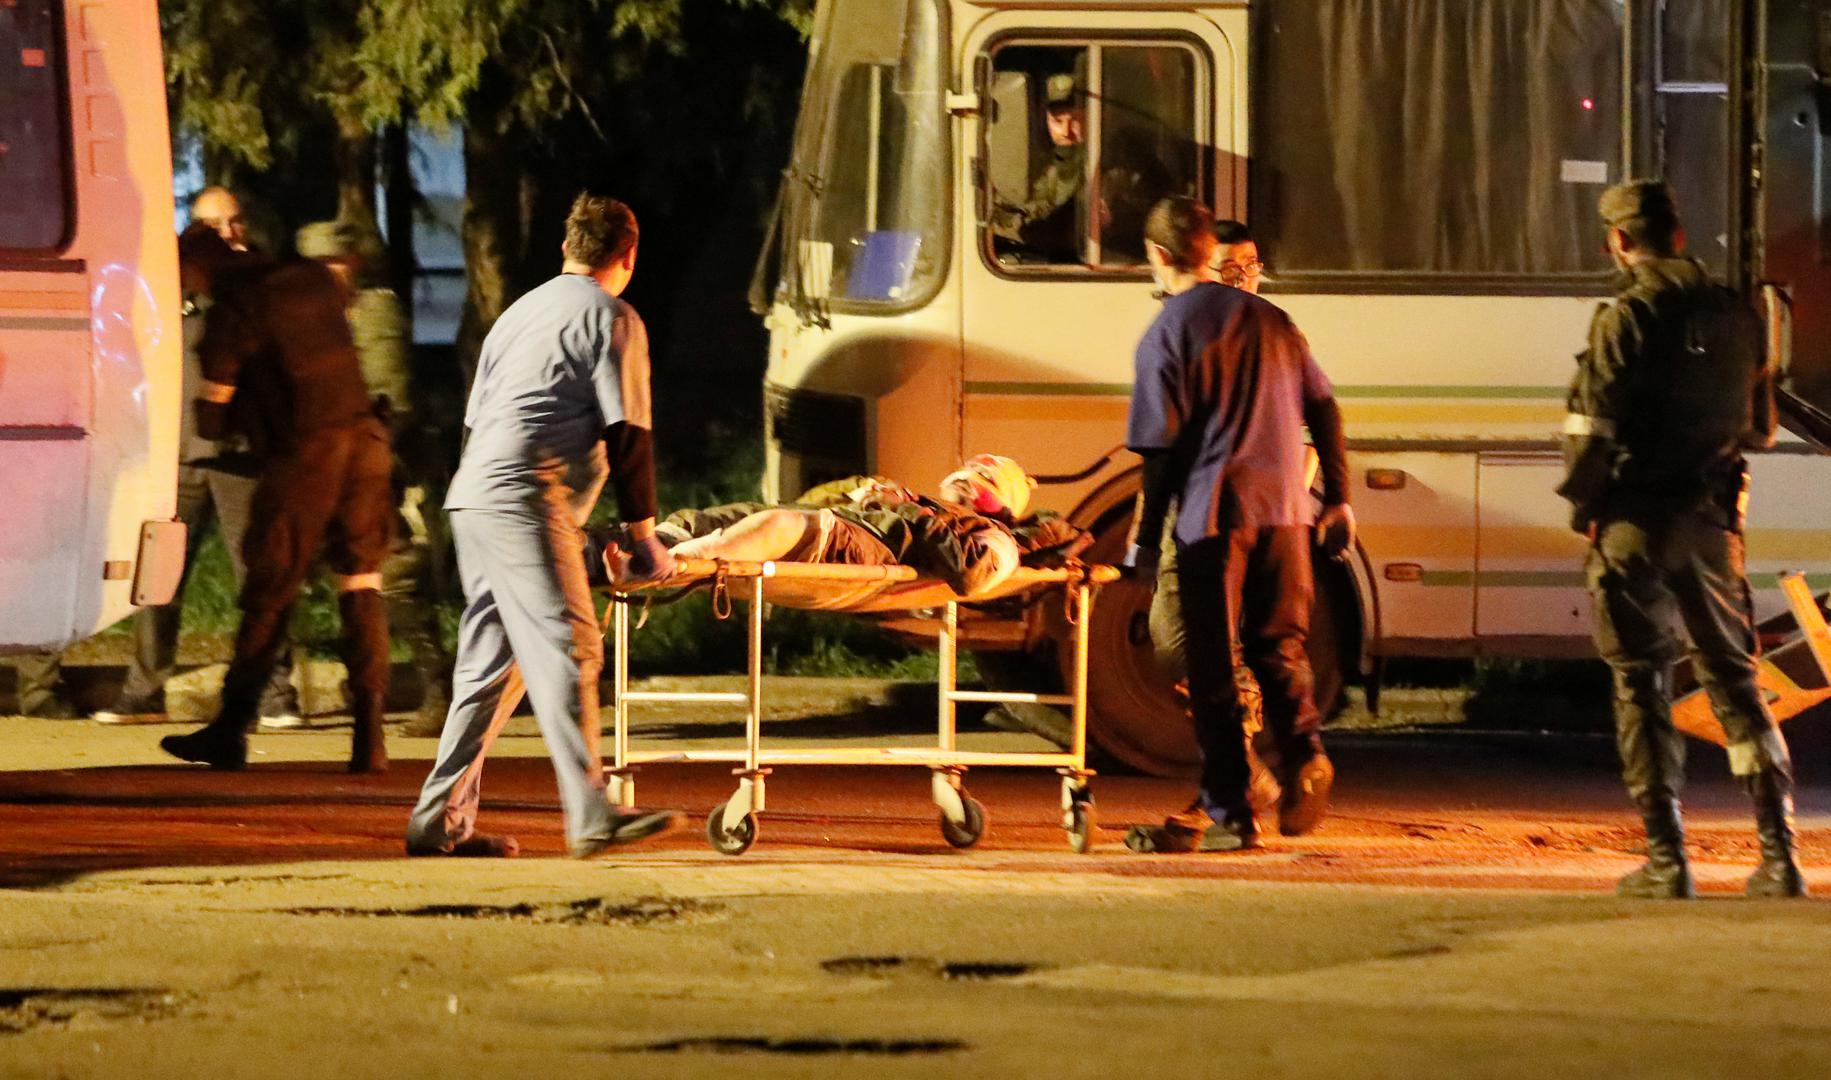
(1385, 479)
(1408, 572)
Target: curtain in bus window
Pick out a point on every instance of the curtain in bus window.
(1147, 141)
(34, 206)
(1435, 137)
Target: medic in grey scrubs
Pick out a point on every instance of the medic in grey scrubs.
(560, 404)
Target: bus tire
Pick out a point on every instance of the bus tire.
(1136, 717)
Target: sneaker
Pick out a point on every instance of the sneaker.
(626, 828)
(206, 747)
(1306, 796)
(282, 720)
(149, 709)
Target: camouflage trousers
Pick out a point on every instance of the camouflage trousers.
(1646, 578)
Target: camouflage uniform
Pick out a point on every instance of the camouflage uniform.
(1047, 223)
(1673, 388)
(380, 328)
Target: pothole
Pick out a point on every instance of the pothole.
(590, 911)
(752, 1044)
(885, 967)
(24, 1009)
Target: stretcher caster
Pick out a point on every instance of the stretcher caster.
(1080, 826)
(730, 841)
(965, 833)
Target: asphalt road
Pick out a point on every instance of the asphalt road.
(1452, 918)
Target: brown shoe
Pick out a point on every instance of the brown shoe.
(478, 846)
(1306, 796)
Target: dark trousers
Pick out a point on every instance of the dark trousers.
(333, 493)
(1645, 578)
(1250, 587)
(204, 495)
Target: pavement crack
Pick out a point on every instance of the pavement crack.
(885, 967)
(797, 1047)
(33, 1008)
(589, 911)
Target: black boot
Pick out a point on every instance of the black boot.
(1778, 875)
(365, 641)
(221, 747)
(1665, 875)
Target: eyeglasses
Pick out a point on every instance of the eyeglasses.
(1232, 273)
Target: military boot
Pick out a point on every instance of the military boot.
(365, 636)
(1778, 875)
(1665, 875)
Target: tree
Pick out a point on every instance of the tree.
(265, 87)
(553, 94)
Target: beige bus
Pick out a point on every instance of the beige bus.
(1421, 178)
(90, 326)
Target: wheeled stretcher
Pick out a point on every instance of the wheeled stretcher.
(732, 826)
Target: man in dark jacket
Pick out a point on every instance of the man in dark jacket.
(1225, 386)
(1673, 388)
(280, 368)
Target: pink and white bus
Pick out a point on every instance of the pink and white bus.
(90, 321)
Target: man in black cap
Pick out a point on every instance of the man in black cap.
(1673, 388)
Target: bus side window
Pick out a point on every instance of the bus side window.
(34, 161)
(1082, 141)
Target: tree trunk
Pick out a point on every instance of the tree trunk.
(403, 201)
(355, 160)
(494, 237)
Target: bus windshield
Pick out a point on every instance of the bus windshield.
(865, 225)
(34, 167)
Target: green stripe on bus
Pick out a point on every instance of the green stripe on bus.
(1400, 391)
(1567, 579)
(1092, 389)
(41, 322)
(1050, 389)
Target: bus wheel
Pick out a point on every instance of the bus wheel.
(1135, 715)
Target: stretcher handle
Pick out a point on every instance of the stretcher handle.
(721, 593)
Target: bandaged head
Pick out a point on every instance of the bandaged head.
(991, 484)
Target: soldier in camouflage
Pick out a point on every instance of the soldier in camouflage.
(1671, 392)
(1046, 224)
(383, 346)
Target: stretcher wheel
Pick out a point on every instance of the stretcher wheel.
(1081, 826)
(966, 833)
(734, 841)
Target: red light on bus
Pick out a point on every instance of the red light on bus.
(1589, 104)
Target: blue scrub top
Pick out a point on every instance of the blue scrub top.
(563, 363)
(1222, 380)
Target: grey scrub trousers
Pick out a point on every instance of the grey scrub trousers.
(561, 366)
(528, 616)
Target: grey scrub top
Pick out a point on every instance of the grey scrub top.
(563, 363)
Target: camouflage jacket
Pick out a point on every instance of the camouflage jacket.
(1046, 220)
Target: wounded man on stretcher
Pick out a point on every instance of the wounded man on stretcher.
(973, 536)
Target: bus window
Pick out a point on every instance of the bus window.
(1394, 139)
(1082, 140)
(868, 194)
(34, 158)
(1691, 121)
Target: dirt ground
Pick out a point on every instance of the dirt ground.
(1452, 918)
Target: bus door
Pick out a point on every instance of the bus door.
(1789, 121)
(1084, 120)
(45, 386)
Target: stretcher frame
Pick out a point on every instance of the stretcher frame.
(733, 825)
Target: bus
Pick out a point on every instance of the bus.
(1421, 178)
(90, 321)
